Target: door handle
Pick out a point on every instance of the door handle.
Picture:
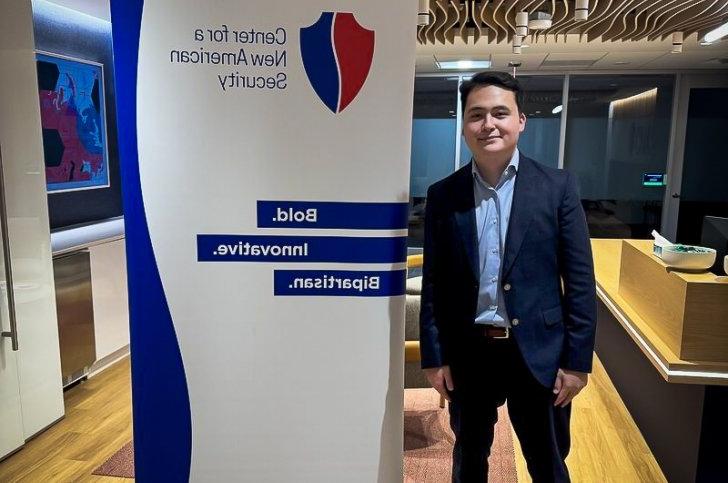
(9, 288)
(676, 195)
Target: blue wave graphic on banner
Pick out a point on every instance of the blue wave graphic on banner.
(161, 404)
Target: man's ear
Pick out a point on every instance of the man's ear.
(522, 121)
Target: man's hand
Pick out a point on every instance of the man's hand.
(440, 379)
(568, 384)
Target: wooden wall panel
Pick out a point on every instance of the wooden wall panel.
(476, 21)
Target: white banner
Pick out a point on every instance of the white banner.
(265, 152)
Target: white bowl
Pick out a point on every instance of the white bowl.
(688, 257)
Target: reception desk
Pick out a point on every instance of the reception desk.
(649, 320)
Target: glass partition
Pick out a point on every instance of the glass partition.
(617, 138)
(434, 131)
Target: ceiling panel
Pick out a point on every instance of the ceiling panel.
(626, 60)
(695, 61)
(528, 61)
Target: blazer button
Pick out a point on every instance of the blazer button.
(507, 287)
(515, 322)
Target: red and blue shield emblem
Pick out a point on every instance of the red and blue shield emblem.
(337, 53)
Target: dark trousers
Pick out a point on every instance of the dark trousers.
(492, 373)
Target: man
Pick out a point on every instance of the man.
(508, 295)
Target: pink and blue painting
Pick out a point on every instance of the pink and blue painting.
(74, 126)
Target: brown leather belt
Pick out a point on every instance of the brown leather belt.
(491, 331)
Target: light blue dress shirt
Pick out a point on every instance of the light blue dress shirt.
(492, 214)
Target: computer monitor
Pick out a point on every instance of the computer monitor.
(715, 235)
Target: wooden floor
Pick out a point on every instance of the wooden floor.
(606, 444)
(97, 424)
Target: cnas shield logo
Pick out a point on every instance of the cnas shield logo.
(337, 53)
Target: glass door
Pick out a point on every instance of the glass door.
(698, 184)
(11, 419)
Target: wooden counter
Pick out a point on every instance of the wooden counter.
(607, 261)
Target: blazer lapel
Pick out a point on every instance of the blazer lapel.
(465, 219)
(525, 197)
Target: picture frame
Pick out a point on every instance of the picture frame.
(73, 117)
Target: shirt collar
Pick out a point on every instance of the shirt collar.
(512, 167)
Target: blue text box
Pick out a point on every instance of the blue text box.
(341, 283)
(305, 249)
(332, 215)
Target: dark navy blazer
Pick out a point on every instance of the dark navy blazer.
(547, 242)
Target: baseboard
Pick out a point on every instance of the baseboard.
(109, 360)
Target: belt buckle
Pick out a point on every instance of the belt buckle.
(502, 336)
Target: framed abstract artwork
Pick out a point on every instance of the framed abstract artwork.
(73, 118)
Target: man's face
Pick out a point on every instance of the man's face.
(491, 122)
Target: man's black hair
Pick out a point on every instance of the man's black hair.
(500, 79)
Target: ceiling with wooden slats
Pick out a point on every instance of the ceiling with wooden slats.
(494, 21)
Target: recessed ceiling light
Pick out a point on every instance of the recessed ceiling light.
(621, 62)
(463, 64)
(557, 109)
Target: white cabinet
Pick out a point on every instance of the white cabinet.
(11, 418)
(31, 396)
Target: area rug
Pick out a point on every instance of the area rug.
(121, 463)
(427, 445)
(428, 442)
